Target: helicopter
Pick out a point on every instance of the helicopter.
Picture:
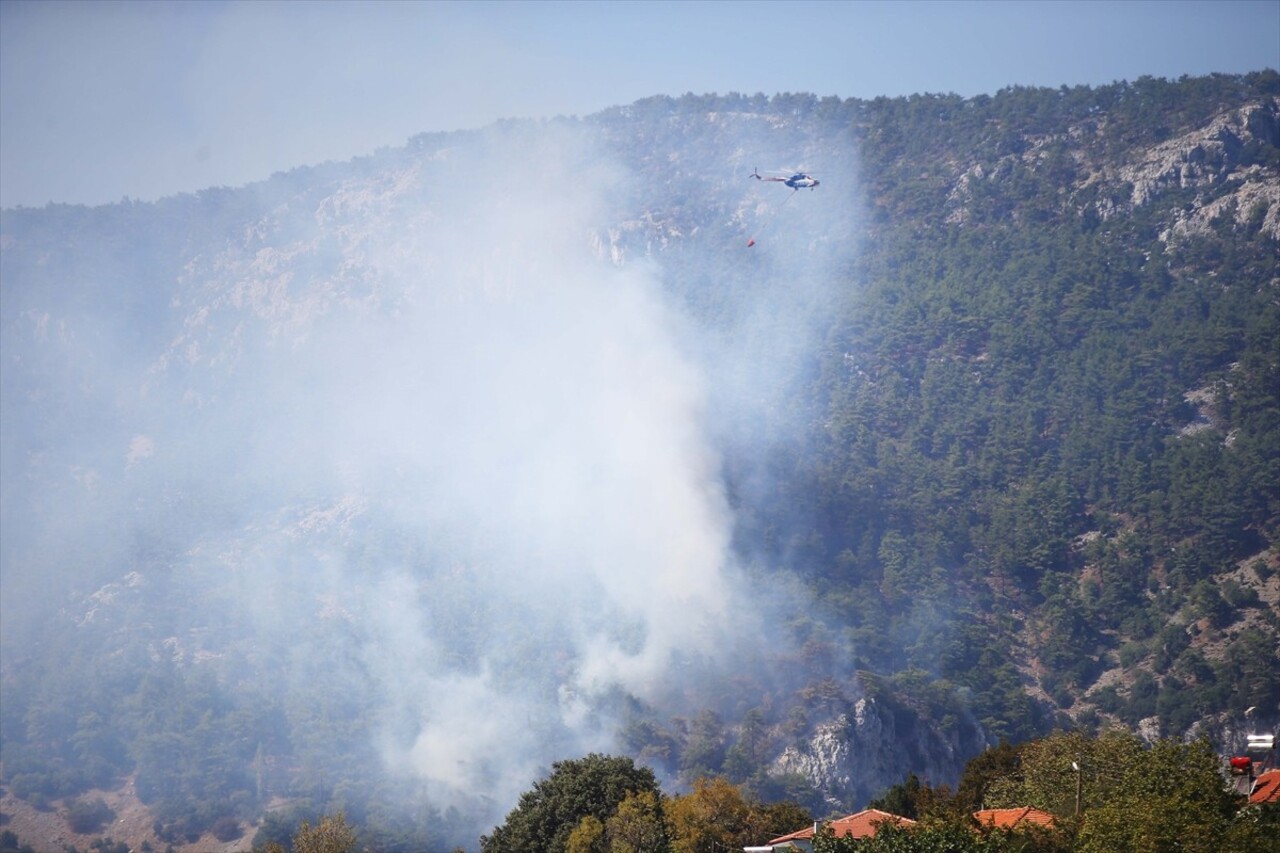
(798, 181)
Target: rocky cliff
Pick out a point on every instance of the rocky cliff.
(874, 745)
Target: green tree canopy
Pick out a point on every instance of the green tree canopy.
(716, 813)
(546, 816)
(1172, 797)
(638, 825)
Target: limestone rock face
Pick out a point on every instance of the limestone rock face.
(859, 754)
(1205, 156)
(1216, 161)
(1223, 163)
(827, 760)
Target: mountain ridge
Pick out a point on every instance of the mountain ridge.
(985, 408)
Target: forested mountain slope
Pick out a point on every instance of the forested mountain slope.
(1043, 444)
(379, 486)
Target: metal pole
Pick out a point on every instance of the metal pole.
(1075, 765)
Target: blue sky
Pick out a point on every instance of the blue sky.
(100, 100)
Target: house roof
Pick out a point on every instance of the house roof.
(1266, 789)
(860, 825)
(1012, 818)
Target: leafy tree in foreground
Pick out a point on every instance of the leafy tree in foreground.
(1120, 794)
(1172, 798)
(1255, 828)
(587, 837)
(981, 771)
(943, 837)
(714, 812)
(638, 825)
(1047, 776)
(717, 814)
(546, 817)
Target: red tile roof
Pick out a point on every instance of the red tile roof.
(1266, 789)
(1011, 818)
(860, 825)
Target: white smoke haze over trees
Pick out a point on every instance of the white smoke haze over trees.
(380, 486)
(439, 446)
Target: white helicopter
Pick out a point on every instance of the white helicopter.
(798, 181)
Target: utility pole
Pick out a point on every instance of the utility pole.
(1076, 766)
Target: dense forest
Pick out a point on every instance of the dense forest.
(993, 414)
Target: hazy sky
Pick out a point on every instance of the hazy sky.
(99, 100)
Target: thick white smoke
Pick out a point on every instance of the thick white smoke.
(486, 387)
(432, 452)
